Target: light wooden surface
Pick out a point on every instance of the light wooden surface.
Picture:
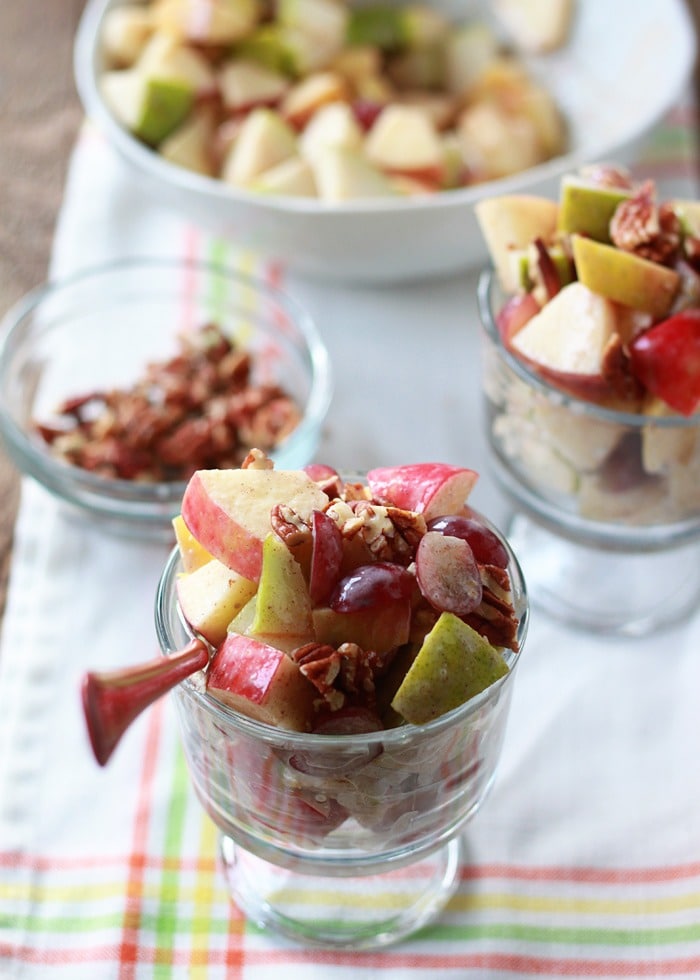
(39, 119)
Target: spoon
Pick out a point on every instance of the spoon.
(113, 699)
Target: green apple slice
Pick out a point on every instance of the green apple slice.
(283, 606)
(454, 664)
(625, 277)
(150, 108)
(587, 208)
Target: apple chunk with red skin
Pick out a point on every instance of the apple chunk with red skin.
(666, 359)
(228, 511)
(430, 489)
(261, 682)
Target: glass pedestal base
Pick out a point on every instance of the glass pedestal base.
(355, 912)
(607, 592)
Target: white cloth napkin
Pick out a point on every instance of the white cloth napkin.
(585, 859)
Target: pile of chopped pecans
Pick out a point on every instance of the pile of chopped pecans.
(198, 410)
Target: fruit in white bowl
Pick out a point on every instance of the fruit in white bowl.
(435, 105)
(601, 309)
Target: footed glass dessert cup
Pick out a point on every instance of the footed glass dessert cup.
(345, 841)
(606, 504)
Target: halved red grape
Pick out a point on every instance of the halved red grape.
(326, 556)
(488, 550)
(370, 586)
(448, 575)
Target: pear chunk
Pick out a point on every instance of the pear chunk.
(586, 208)
(625, 277)
(454, 664)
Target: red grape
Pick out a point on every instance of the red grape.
(369, 586)
(487, 548)
(448, 575)
(326, 556)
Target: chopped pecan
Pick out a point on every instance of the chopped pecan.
(388, 533)
(650, 231)
(342, 676)
(200, 409)
(495, 617)
(290, 526)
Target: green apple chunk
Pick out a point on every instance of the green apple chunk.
(283, 607)
(587, 208)
(211, 596)
(454, 664)
(509, 223)
(150, 108)
(624, 277)
(688, 213)
(379, 25)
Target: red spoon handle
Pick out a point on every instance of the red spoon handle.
(112, 700)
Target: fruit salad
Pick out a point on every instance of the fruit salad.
(350, 618)
(321, 99)
(592, 370)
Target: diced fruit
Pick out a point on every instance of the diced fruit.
(150, 108)
(689, 214)
(207, 21)
(509, 223)
(326, 557)
(283, 606)
(228, 511)
(430, 489)
(165, 58)
(376, 24)
(371, 587)
(468, 51)
(666, 359)
(343, 174)
(264, 141)
(333, 125)
(189, 146)
(625, 277)
(125, 31)
(404, 140)
(587, 207)
(210, 596)
(448, 574)
(192, 554)
(570, 333)
(485, 545)
(261, 682)
(454, 664)
(380, 628)
(293, 177)
(324, 19)
(537, 26)
(514, 314)
(308, 96)
(246, 85)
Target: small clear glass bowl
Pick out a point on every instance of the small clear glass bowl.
(317, 831)
(100, 328)
(607, 503)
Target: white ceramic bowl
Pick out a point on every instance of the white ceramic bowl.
(623, 68)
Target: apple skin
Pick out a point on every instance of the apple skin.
(261, 682)
(228, 511)
(380, 629)
(430, 489)
(666, 359)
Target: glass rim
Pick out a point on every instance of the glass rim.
(400, 735)
(488, 282)
(39, 458)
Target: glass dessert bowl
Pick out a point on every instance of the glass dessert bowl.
(322, 797)
(91, 367)
(606, 502)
